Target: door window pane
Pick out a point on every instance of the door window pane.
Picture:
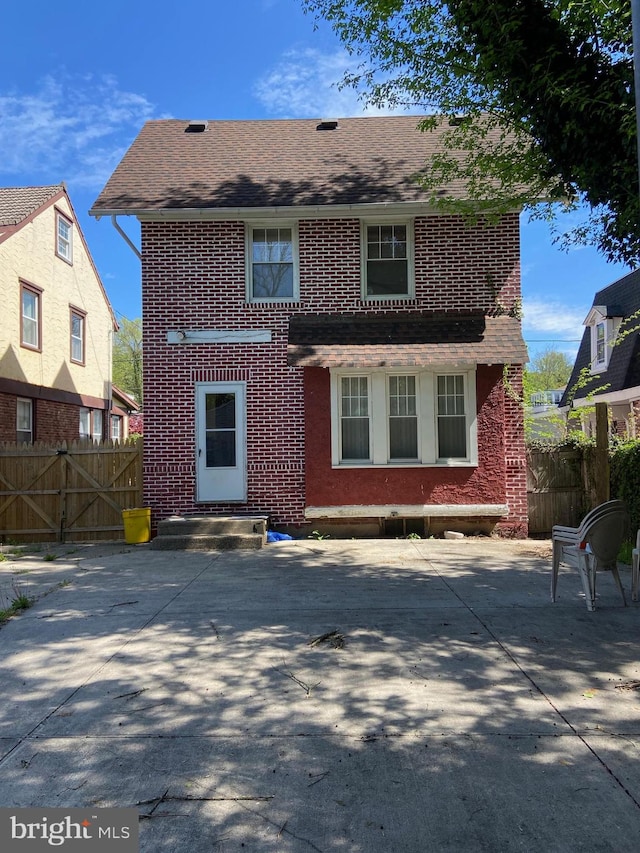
(355, 418)
(220, 425)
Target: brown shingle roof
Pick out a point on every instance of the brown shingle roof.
(272, 163)
(398, 340)
(16, 203)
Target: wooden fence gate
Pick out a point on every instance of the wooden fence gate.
(68, 492)
(556, 492)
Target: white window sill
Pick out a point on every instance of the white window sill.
(462, 463)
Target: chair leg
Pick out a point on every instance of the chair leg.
(616, 577)
(555, 567)
(635, 576)
(586, 568)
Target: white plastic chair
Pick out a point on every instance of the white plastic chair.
(568, 537)
(598, 551)
(635, 568)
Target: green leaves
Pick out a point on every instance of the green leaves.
(555, 77)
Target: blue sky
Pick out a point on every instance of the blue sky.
(77, 81)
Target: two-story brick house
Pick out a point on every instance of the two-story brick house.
(57, 323)
(321, 346)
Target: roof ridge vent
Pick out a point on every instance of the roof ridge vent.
(328, 124)
(196, 126)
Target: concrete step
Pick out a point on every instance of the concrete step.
(212, 525)
(208, 542)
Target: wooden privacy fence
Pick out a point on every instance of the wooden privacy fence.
(556, 492)
(68, 491)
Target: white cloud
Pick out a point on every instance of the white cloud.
(552, 320)
(306, 83)
(72, 128)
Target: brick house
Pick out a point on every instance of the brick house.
(57, 323)
(321, 346)
(607, 366)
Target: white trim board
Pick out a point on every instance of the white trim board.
(407, 511)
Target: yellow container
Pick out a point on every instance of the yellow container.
(137, 525)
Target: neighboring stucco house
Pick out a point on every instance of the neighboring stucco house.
(321, 346)
(57, 323)
(607, 366)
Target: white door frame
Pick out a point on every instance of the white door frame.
(224, 484)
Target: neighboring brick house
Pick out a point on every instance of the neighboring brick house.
(607, 366)
(57, 323)
(125, 414)
(320, 345)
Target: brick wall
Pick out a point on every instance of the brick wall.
(194, 278)
(53, 421)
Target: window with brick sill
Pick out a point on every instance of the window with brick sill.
(403, 418)
(272, 263)
(387, 253)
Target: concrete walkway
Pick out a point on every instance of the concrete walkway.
(450, 707)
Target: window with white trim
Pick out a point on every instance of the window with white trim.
(77, 335)
(30, 316)
(64, 237)
(399, 418)
(387, 250)
(116, 427)
(91, 424)
(272, 263)
(24, 421)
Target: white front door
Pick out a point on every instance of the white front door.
(221, 451)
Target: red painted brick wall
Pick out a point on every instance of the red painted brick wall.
(486, 483)
(194, 278)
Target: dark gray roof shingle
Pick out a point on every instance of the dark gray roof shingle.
(621, 299)
(397, 340)
(273, 163)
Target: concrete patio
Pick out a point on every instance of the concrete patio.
(362, 696)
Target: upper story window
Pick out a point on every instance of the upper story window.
(604, 329)
(387, 266)
(77, 323)
(30, 316)
(272, 254)
(64, 237)
(412, 418)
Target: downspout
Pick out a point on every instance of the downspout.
(125, 237)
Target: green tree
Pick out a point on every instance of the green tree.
(549, 371)
(545, 91)
(127, 358)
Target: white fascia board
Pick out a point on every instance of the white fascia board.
(320, 211)
(407, 511)
(219, 336)
(627, 394)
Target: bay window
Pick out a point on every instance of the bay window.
(406, 418)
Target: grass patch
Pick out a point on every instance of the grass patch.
(18, 602)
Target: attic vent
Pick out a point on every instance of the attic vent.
(327, 124)
(196, 127)
(457, 121)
